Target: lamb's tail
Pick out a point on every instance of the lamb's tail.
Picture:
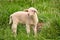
(10, 21)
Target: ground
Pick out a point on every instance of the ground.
(48, 13)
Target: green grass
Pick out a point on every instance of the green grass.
(48, 13)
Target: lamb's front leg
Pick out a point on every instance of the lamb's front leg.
(28, 29)
(35, 30)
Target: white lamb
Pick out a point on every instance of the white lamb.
(28, 17)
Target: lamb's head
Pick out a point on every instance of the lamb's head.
(31, 11)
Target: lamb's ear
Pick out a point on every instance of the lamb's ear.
(35, 11)
(26, 10)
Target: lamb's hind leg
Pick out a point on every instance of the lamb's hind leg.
(14, 28)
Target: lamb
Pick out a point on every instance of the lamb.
(27, 17)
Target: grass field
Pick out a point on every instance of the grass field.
(48, 13)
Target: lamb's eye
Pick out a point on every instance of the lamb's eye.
(32, 11)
